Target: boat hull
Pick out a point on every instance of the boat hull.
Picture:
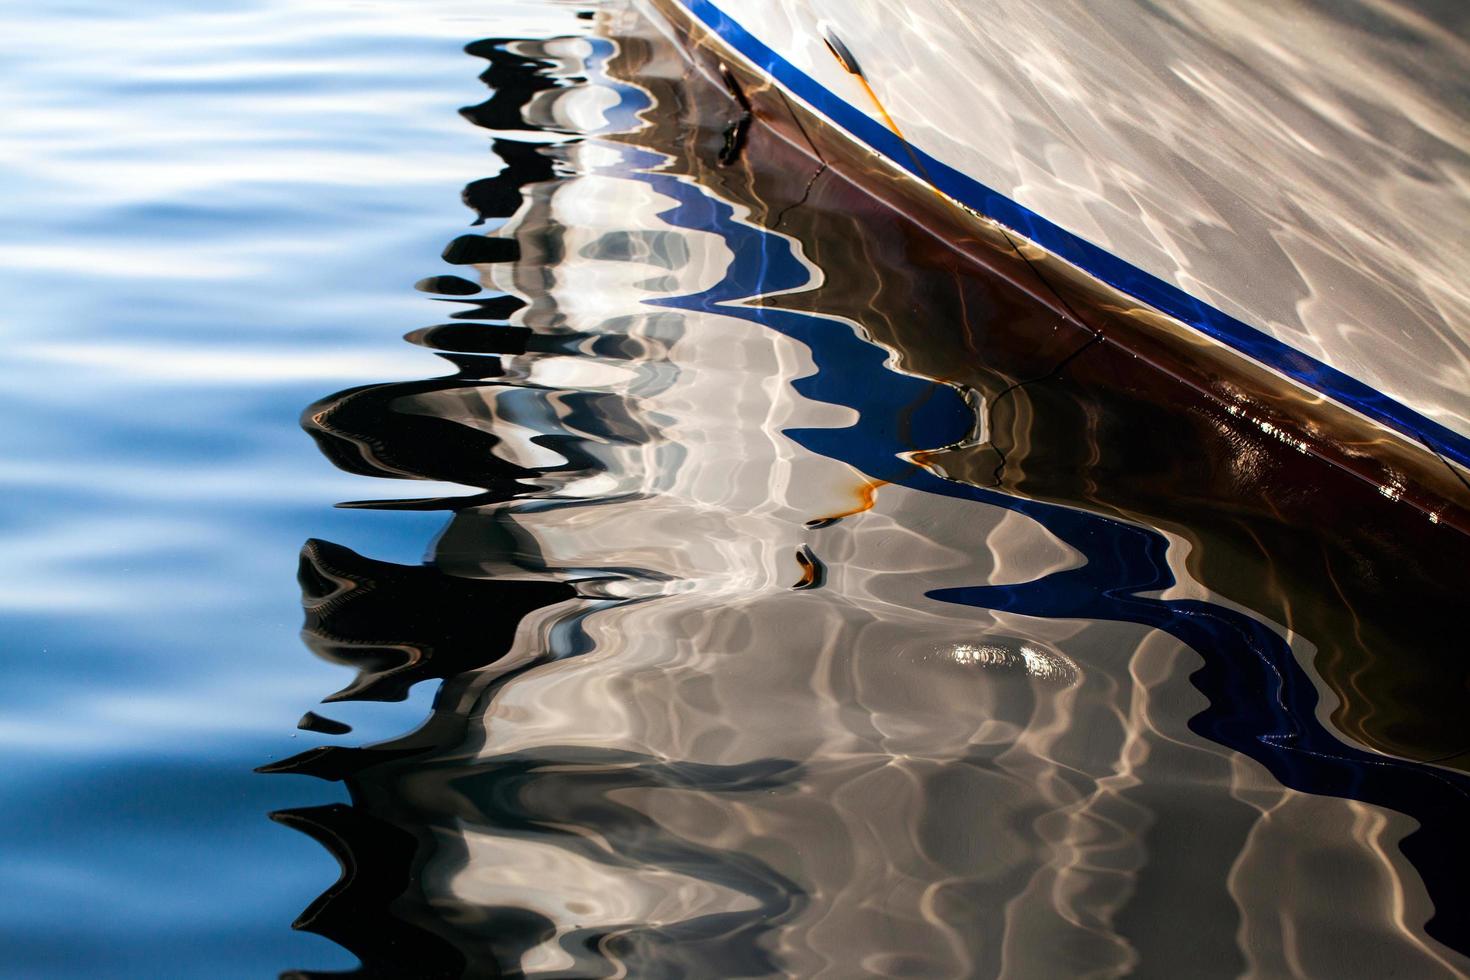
(1289, 189)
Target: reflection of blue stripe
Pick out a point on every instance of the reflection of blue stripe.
(1261, 702)
(623, 117)
(1090, 258)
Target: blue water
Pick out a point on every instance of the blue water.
(213, 215)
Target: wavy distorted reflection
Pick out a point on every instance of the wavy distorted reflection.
(783, 630)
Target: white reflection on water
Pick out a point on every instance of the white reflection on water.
(945, 820)
(713, 774)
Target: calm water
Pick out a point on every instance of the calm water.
(752, 586)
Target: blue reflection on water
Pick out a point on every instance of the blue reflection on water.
(1261, 702)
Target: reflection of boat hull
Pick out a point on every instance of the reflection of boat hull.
(712, 355)
(1283, 232)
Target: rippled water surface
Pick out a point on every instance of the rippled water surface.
(731, 579)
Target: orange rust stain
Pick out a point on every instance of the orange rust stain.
(883, 111)
(888, 121)
(867, 493)
(867, 496)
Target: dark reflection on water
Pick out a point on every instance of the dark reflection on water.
(822, 605)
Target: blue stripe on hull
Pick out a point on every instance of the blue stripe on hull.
(1096, 261)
